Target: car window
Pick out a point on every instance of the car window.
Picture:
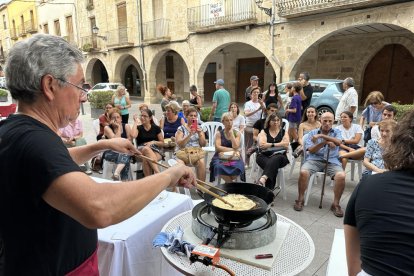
(86, 86)
(113, 86)
(281, 88)
(319, 87)
(339, 87)
(99, 86)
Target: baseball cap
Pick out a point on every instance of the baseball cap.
(219, 82)
(254, 78)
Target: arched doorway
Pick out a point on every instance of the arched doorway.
(390, 71)
(99, 73)
(132, 81)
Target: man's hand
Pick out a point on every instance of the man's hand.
(331, 145)
(181, 175)
(122, 145)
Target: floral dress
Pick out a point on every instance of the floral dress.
(374, 152)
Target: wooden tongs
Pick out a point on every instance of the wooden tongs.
(199, 183)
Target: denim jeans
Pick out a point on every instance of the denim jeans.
(119, 158)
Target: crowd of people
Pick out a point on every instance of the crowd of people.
(47, 134)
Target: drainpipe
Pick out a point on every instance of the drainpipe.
(141, 38)
(272, 47)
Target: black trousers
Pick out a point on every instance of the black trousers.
(270, 166)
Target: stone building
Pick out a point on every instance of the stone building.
(179, 43)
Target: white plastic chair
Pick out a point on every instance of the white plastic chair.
(359, 163)
(95, 124)
(210, 128)
(256, 172)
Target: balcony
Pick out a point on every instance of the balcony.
(91, 43)
(30, 27)
(299, 8)
(70, 38)
(120, 38)
(22, 31)
(13, 34)
(157, 31)
(226, 14)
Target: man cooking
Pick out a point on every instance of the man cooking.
(49, 209)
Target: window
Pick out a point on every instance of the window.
(57, 27)
(69, 29)
(4, 22)
(45, 28)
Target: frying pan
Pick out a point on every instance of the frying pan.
(259, 194)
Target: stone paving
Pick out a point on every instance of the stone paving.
(319, 223)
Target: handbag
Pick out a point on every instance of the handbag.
(229, 155)
(273, 150)
(367, 131)
(190, 155)
(96, 163)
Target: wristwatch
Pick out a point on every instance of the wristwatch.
(343, 141)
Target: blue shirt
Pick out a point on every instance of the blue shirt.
(321, 154)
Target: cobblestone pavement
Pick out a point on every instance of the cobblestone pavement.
(319, 223)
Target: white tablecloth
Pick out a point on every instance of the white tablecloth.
(126, 248)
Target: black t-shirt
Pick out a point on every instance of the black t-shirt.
(145, 136)
(259, 124)
(382, 209)
(38, 239)
(308, 91)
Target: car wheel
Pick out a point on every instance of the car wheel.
(324, 109)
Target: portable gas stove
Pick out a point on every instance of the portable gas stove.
(253, 234)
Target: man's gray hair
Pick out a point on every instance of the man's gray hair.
(349, 82)
(30, 59)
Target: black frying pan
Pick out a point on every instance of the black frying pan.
(259, 194)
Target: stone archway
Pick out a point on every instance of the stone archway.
(169, 68)
(235, 62)
(390, 71)
(128, 72)
(96, 72)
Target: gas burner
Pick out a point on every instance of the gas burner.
(233, 235)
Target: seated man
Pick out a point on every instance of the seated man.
(316, 144)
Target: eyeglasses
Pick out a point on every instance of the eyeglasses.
(83, 90)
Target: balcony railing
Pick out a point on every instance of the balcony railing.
(91, 43)
(296, 8)
(120, 37)
(21, 30)
(30, 27)
(222, 14)
(157, 30)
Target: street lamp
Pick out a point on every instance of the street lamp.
(267, 11)
(95, 31)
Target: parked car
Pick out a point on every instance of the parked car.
(104, 86)
(3, 82)
(325, 97)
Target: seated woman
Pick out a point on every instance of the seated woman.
(309, 122)
(104, 120)
(170, 122)
(226, 140)
(114, 130)
(72, 136)
(142, 107)
(190, 137)
(273, 135)
(373, 161)
(351, 134)
(239, 122)
(149, 140)
(185, 106)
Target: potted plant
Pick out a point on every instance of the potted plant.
(98, 99)
(3, 95)
(87, 47)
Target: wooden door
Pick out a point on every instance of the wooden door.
(122, 23)
(245, 69)
(390, 71)
(210, 76)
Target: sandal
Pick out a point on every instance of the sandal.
(298, 205)
(337, 211)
